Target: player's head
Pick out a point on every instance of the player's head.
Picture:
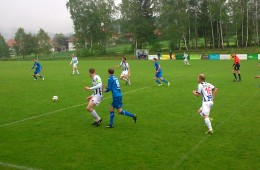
(154, 59)
(73, 55)
(92, 72)
(111, 71)
(201, 78)
(35, 59)
(124, 59)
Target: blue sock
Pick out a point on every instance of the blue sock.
(111, 118)
(126, 113)
(165, 81)
(158, 81)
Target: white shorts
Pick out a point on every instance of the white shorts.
(97, 99)
(206, 106)
(75, 65)
(124, 73)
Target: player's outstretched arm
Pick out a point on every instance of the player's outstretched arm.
(87, 88)
(257, 76)
(117, 66)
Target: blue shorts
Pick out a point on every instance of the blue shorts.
(159, 74)
(117, 102)
(37, 71)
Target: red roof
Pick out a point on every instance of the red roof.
(11, 43)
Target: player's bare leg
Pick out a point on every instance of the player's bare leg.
(90, 106)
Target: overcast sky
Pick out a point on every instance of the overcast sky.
(50, 15)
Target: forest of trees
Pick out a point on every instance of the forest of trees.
(190, 24)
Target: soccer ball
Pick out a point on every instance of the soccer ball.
(55, 98)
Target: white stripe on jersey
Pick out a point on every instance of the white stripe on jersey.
(125, 66)
(97, 85)
(74, 60)
(205, 89)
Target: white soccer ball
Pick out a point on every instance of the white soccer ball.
(55, 98)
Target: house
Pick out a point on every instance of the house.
(71, 46)
(10, 43)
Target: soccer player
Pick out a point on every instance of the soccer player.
(38, 68)
(75, 62)
(208, 93)
(96, 97)
(114, 86)
(186, 61)
(236, 67)
(125, 75)
(158, 73)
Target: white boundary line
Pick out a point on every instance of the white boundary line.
(189, 152)
(4, 164)
(56, 111)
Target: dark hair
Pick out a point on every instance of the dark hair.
(91, 70)
(111, 71)
(124, 58)
(154, 59)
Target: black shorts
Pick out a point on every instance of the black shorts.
(237, 67)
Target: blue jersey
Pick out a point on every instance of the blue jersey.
(37, 66)
(156, 66)
(114, 86)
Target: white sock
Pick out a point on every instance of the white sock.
(95, 115)
(125, 79)
(78, 71)
(72, 72)
(208, 123)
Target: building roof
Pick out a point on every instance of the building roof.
(11, 43)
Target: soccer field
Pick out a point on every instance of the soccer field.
(37, 133)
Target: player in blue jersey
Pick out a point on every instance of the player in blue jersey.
(38, 68)
(158, 73)
(114, 86)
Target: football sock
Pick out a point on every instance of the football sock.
(111, 118)
(165, 81)
(208, 123)
(95, 115)
(34, 76)
(158, 81)
(40, 76)
(77, 71)
(73, 72)
(126, 113)
(235, 75)
(125, 79)
(239, 76)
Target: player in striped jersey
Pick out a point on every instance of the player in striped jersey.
(208, 93)
(125, 75)
(75, 62)
(96, 98)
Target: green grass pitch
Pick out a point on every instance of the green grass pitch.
(37, 133)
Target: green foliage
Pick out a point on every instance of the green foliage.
(4, 50)
(60, 42)
(44, 43)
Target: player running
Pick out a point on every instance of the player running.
(96, 97)
(75, 62)
(125, 75)
(114, 86)
(236, 67)
(186, 61)
(208, 93)
(158, 73)
(38, 68)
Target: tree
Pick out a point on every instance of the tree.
(44, 44)
(92, 20)
(140, 17)
(4, 51)
(26, 44)
(60, 41)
